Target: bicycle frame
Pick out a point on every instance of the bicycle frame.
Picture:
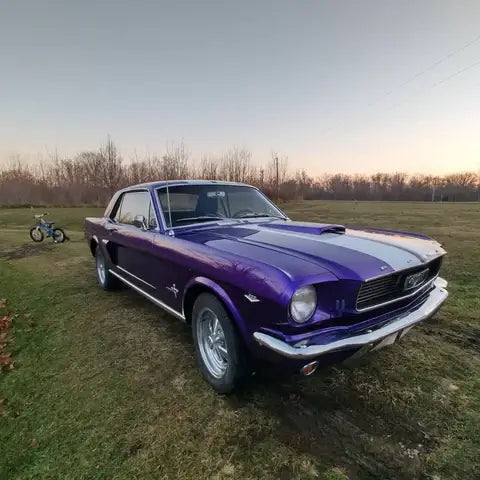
(46, 227)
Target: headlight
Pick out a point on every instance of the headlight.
(303, 304)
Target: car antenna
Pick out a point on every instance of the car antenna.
(168, 204)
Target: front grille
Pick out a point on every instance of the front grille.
(391, 287)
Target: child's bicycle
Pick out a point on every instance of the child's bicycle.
(46, 228)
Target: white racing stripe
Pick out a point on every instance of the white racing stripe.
(394, 256)
(426, 249)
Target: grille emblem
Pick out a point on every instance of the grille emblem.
(415, 279)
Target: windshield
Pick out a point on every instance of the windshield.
(203, 203)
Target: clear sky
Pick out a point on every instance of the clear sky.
(337, 86)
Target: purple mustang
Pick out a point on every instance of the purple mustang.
(255, 285)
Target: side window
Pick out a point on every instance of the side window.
(133, 204)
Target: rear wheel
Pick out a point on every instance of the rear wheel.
(36, 234)
(104, 278)
(58, 235)
(220, 354)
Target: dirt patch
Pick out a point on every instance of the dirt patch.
(25, 250)
(464, 335)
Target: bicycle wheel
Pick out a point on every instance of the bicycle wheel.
(36, 234)
(58, 235)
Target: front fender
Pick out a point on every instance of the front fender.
(103, 244)
(221, 293)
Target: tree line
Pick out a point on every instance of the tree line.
(91, 177)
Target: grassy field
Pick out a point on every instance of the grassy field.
(104, 385)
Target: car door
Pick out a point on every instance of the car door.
(171, 263)
(172, 253)
(130, 246)
(173, 271)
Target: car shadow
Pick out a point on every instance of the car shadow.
(324, 416)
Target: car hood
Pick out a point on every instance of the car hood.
(301, 247)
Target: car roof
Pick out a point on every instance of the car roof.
(171, 183)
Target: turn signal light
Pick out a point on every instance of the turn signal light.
(309, 368)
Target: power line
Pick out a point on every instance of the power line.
(427, 69)
(419, 90)
(440, 82)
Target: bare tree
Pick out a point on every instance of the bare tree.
(112, 166)
(280, 161)
(209, 168)
(90, 177)
(235, 164)
(175, 162)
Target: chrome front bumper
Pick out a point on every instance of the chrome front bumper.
(371, 338)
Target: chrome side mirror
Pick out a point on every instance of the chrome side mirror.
(139, 222)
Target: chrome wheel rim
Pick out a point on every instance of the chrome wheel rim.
(212, 344)
(58, 236)
(101, 270)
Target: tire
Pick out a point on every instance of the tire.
(104, 278)
(58, 235)
(225, 370)
(36, 234)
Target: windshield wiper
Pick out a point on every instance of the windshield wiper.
(204, 218)
(259, 215)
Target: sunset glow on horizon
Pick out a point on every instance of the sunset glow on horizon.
(377, 86)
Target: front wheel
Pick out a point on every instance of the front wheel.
(220, 354)
(58, 235)
(36, 234)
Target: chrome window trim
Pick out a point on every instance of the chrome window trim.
(171, 230)
(163, 221)
(120, 197)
